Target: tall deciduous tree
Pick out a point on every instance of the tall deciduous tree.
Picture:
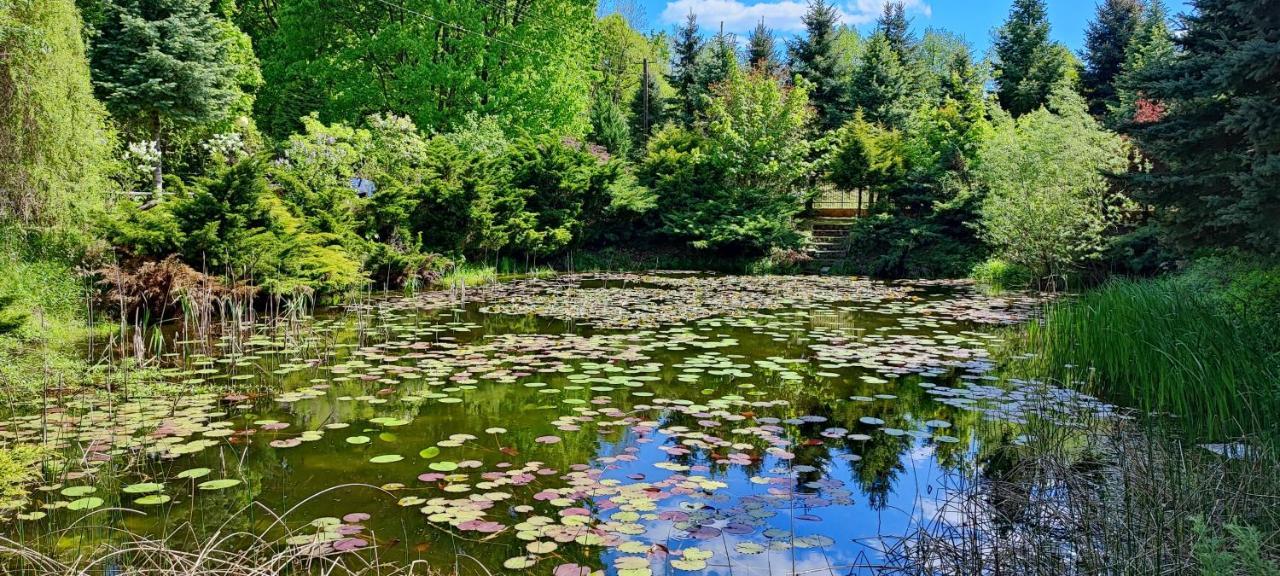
(1105, 43)
(1212, 132)
(1045, 179)
(162, 65)
(814, 56)
(528, 63)
(54, 143)
(1028, 65)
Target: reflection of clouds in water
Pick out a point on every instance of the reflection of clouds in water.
(921, 454)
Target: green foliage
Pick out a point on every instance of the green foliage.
(54, 143)
(1029, 67)
(865, 156)
(19, 466)
(1045, 205)
(1107, 42)
(999, 274)
(815, 57)
(434, 61)
(1212, 135)
(1240, 552)
(732, 182)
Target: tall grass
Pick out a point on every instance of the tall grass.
(1162, 346)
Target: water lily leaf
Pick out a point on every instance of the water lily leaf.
(358, 440)
(152, 500)
(85, 503)
(221, 484)
(194, 473)
(142, 488)
(78, 491)
(386, 459)
(429, 452)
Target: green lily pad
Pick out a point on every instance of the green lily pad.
(194, 473)
(386, 458)
(220, 484)
(143, 488)
(152, 500)
(430, 452)
(85, 503)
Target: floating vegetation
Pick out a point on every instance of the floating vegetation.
(635, 424)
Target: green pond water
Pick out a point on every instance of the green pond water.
(630, 424)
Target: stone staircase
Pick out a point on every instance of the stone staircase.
(829, 244)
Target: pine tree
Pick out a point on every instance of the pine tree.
(881, 85)
(895, 27)
(815, 58)
(1028, 65)
(162, 65)
(1212, 135)
(1106, 41)
(609, 127)
(687, 45)
(762, 50)
(1151, 48)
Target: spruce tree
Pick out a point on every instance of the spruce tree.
(815, 58)
(687, 45)
(718, 59)
(1028, 65)
(895, 27)
(1151, 48)
(1106, 41)
(161, 65)
(881, 85)
(1211, 131)
(762, 50)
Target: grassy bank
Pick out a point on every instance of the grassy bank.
(1168, 345)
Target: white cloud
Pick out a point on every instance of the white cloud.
(781, 15)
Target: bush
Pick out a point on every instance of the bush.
(733, 182)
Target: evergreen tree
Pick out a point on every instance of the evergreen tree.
(815, 58)
(162, 65)
(609, 127)
(54, 143)
(687, 45)
(963, 84)
(1151, 48)
(1028, 65)
(762, 50)
(881, 84)
(719, 58)
(895, 27)
(1211, 131)
(1106, 41)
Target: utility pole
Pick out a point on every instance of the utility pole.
(645, 81)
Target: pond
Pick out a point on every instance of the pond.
(630, 424)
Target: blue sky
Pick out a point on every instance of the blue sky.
(972, 19)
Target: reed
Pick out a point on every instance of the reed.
(1162, 347)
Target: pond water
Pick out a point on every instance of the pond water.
(634, 424)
